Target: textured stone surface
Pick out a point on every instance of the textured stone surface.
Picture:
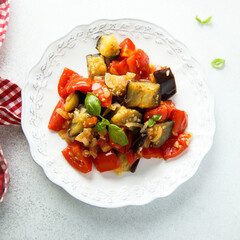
(205, 207)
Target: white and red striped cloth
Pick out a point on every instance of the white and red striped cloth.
(10, 114)
(4, 16)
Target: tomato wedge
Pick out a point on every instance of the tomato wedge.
(100, 89)
(151, 152)
(78, 83)
(180, 119)
(56, 122)
(127, 48)
(139, 63)
(131, 158)
(119, 67)
(73, 154)
(106, 161)
(175, 145)
(165, 109)
(65, 77)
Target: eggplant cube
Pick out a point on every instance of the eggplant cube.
(167, 82)
(143, 94)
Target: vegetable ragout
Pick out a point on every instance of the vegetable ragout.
(120, 113)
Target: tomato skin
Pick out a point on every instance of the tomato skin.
(56, 121)
(106, 161)
(65, 77)
(100, 89)
(119, 67)
(131, 158)
(127, 48)
(90, 122)
(180, 119)
(104, 144)
(130, 140)
(73, 154)
(175, 145)
(151, 152)
(165, 109)
(77, 82)
(121, 149)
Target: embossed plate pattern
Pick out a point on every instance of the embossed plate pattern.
(154, 178)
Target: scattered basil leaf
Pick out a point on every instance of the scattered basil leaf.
(156, 117)
(205, 21)
(218, 63)
(92, 104)
(151, 122)
(117, 135)
(100, 126)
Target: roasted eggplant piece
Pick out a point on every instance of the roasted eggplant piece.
(167, 82)
(117, 84)
(96, 65)
(76, 124)
(134, 166)
(159, 133)
(143, 94)
(108, 46)
(124, 116)
(139, 142)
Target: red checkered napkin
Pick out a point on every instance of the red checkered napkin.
(4, 16)
(4, 175)
(10, 114)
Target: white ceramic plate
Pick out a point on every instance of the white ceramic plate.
(154, 178)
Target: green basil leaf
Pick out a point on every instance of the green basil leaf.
(151, 122)
(100, 126)
(105, 121)
(117, 135)
(156, 117)
(92, 104)
(205, 21)
(218, 63)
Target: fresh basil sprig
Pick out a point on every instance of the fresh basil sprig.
(101, 126)
(154, 118)
(117, 135)
(218, 63)
(205, 21)
(93, 106)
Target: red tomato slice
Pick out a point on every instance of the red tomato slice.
(73, 154)
(152, 153)
(175, 145)
(78, 83)
(100, 89)
(180, 119)
(91, 122)
(65, 77)
(131, 158)
(104, 144)
(106, 161)
(121, 149)
(56, 121)
(119, 67)
(165, 109)
(139, 63)
(127, 48)
(130, 140)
